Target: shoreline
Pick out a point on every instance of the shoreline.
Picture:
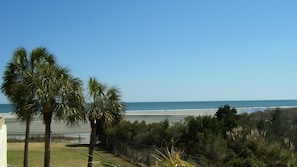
(149, 116)
(59, 127)
(180, 112)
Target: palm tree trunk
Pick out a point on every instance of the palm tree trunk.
(26, 149)
(47, 138)
(92, 143)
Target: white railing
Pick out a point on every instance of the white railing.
(3, 143)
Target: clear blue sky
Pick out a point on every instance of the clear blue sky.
(164, 50)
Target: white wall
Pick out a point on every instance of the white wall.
(3, 143)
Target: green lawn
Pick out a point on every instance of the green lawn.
(61, 156)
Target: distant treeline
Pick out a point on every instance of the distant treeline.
(266, 138)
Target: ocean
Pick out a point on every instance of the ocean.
(241, 106)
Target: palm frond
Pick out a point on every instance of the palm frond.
(106, 106)
(170, 158)
(40, 56)
(15, 85)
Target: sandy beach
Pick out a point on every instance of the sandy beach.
(15, 127)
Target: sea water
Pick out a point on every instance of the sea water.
(209, 104)
(242, 106)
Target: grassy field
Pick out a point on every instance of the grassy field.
(62, 155)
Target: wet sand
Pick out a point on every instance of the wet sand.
(59, 127)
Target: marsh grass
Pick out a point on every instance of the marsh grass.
(62, 155)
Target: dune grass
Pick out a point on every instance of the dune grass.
(62, 155)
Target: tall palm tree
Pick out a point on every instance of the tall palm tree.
(19, 72)
(105, 109)
(60, 95)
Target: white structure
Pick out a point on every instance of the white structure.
(3, 143)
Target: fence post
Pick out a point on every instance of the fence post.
(79, 139)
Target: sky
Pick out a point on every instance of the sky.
(163, 50)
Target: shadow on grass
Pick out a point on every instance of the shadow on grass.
(77, 145)
(101, 156)
(98, 147)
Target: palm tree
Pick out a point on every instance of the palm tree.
(60, 95)
(19, 72)
(170, 158)
(105, 109)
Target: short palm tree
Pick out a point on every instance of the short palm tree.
(170, 158)
(60, 95)
(105, 109)
(17, 76)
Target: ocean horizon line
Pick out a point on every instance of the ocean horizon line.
(176, 101)
(240, 105)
